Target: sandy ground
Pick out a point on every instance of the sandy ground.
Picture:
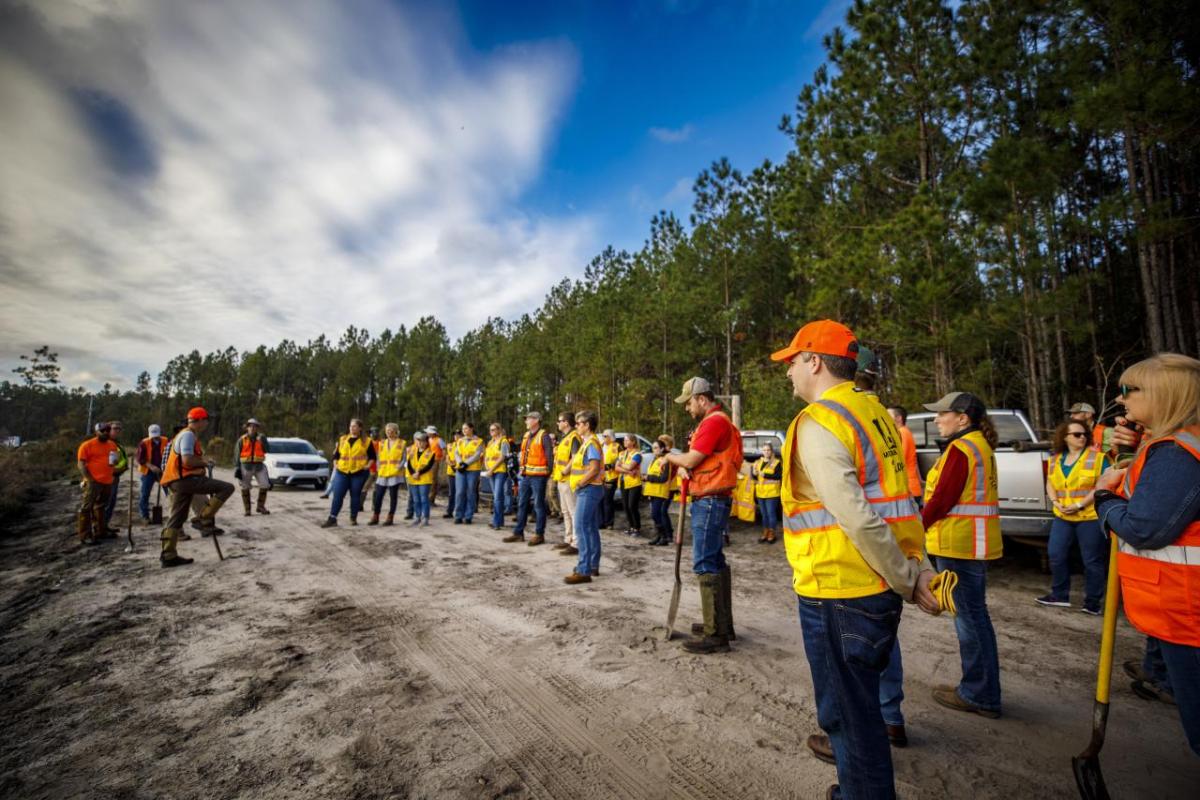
(438, 662)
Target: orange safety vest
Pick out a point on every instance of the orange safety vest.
(252, 452)
(718, 472)
(534, 462)
(146, 448)
(174, 470)
(909, 445)
(1161, 588)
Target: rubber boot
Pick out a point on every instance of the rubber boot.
(170, 555)
(262, 502)
(208, 522)
(711, 602)
(246, 501)
(389, 519)
(374, 519)
(725, 617)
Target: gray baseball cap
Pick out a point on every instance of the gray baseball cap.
(693, 386)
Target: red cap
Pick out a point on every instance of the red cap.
(197, 413)
(824, 336)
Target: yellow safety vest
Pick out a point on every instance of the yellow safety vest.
(626, 460)
(562, 456)
(825, 563)
(468, 448)
(765, 487)
(416, 461)
(972, 528)
(352, 457)
(658, 466)
(743, 499)
(451, 450)
(493, 456)
(578, 465)
(390, 454)
(1075, 487)
(611, 453)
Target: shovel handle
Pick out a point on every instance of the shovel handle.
(1107, 639)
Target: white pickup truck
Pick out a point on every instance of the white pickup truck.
(1021, 462)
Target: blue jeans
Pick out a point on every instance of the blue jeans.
(499, 497)
(1183, 665)
(149, 481)
(112, 499)
(660, 512)
(420, 498)
(531, 487)
(848, 644)
(466, 494)
(771, 511)
(451, 498)
(588, 502)
(352, 483)
(891, 687)
(1093, 546)
(980, 683)
(710, 520)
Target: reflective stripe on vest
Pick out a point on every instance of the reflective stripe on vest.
(416, 461)
(766, 487)
(465, 449)
(252, 451)
(563, 457)
(825, 562)
(1160, 588)
(971, 529)
(493, 456)
(1078, 485)
(578, 466)
(352, 457)
(390, 453)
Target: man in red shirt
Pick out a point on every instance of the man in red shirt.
(96, 459)
(711, 467)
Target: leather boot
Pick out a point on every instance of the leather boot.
(83, 528)
(374, 519)
(262, 502)
(658, 535)
(170, 555)
(389, 521)
(763, 539)
(246, 501)
(711, 600)
(770, 536)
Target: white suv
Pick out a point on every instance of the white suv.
(293, 461)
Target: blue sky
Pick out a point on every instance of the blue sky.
(362, 162)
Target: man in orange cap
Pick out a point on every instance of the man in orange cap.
(186, 474)
(854, 538)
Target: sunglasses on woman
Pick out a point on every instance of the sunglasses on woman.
(1128, 390)
(1077, 433)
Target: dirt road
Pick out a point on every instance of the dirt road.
(439, 663)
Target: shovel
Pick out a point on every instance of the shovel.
(1087, 764)
(129, 517)
(673, 609)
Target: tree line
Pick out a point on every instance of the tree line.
(1000, 197)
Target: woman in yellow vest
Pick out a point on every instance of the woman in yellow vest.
(962, 534)
(495, 464)
(419, 466)
(1071, 484)
(352, 460)
(612, 449)
(585, 480)
(658, 489)
(767, 473)
(629, 470)
(468, 456)
(388, 473)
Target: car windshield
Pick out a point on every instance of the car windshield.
(292, 448)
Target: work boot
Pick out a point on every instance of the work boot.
(658, 536)
(262, 502)
(330, 522)
(711, 600)
(83, 528)
(569, 550)
(408, 516)
(169, 557)
(560, 546)
(771, 536)
(763, 539)
(516, 537)
(389, 520)
(575, 578)
(374, 519)
(354, 519)
(819, 745)
(246, 501)
(536, 540)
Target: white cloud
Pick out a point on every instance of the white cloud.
(680, 192)
(673, 135)
(302, 168)
(831, 15)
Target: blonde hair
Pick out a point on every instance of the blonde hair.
(391, 426)
(1171, 383)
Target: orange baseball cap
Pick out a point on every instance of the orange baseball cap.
(197, 413)
(824, 336)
